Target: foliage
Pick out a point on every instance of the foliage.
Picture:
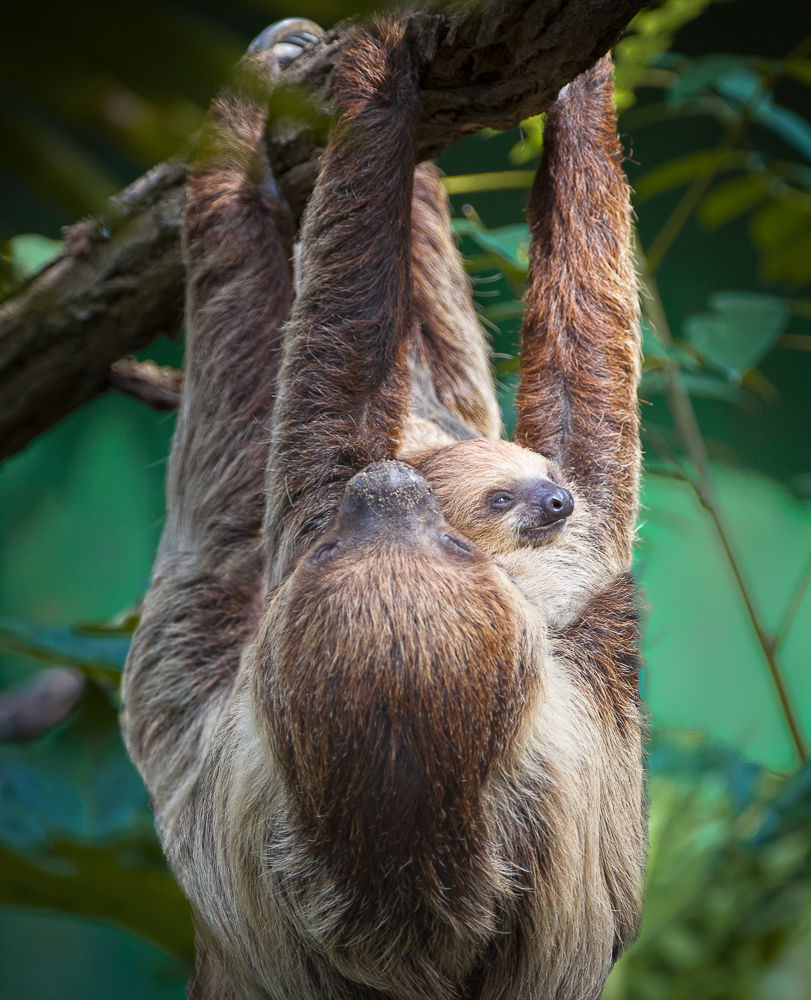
(723, 198)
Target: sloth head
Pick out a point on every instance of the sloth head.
(499, 495)
(391, 679)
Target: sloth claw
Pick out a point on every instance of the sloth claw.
(286, 40)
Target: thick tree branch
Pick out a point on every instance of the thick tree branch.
(120, 281)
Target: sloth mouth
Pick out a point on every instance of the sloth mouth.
(536, 532)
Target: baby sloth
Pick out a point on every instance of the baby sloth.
(516, 505)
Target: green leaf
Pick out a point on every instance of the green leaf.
(790, 126)
(23, 256)
(781, 230)
(510, 243)
(733, 198)
(800, 70)
(54, 956)
(531, 142)
(704, 72)
(99, 657)
(126, 882)
(31, 252)
(504, 310)
(700, 385)
(740, 331)
(498, 180)
(76, 781)
(684, 169)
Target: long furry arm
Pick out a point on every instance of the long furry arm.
(344, 380)
(207, 589)
(580, 340)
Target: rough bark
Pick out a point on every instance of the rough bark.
(119, 282)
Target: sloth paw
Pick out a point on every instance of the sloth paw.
(285, 40)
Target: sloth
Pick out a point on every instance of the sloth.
(384, 688)
(512, 503)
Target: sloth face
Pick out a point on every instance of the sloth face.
(533, 509)
(499, 495)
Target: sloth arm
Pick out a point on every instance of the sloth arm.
(580, 347)
(344, 382)
(207, 588)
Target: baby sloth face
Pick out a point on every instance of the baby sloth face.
(535, 508)
(499, 495)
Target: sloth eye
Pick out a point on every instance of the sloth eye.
(501, 501)
(457, 545)
(325, 551)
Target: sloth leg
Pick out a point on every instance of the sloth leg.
(207, 589)
(580, 349)
(344, 382)
(451, 343)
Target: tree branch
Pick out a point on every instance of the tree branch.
(158, 387)
(119, 282)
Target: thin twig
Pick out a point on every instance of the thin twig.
(799, 594)
(684, 417)
(156, 385)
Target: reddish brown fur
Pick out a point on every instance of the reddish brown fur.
(580, 353)
(410, 782)
(342, 405)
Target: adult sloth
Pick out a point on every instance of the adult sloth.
(378, 768)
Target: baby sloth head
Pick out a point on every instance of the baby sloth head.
(498, 494)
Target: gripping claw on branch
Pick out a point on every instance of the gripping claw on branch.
(286, 39)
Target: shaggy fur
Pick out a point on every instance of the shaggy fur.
(407, 764)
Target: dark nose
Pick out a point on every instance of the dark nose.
(387, 495)
(551, 502)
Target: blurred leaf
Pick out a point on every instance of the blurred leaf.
(705, 71)
(683, 169)
(504, 310)
(98, 656)
(498, 180)
(726, 913)
(76, 781)
(23, 256)
(740, 331)
(649, 35)
(790, 808)
(704, 105)
(800, 70)
(531, 142)
(53, 956)
(123, 624)
(733, 198)
(126, 882)
(508, 366)
(510, 243)
(787, 124)
(781, 230)
(31, 252)
(701, 385)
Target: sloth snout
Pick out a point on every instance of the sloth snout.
(551, 502)
(388, 495)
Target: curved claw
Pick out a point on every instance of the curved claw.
(286, 39)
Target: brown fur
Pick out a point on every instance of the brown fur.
(397, 773)
(558, 574)
(580, 353)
